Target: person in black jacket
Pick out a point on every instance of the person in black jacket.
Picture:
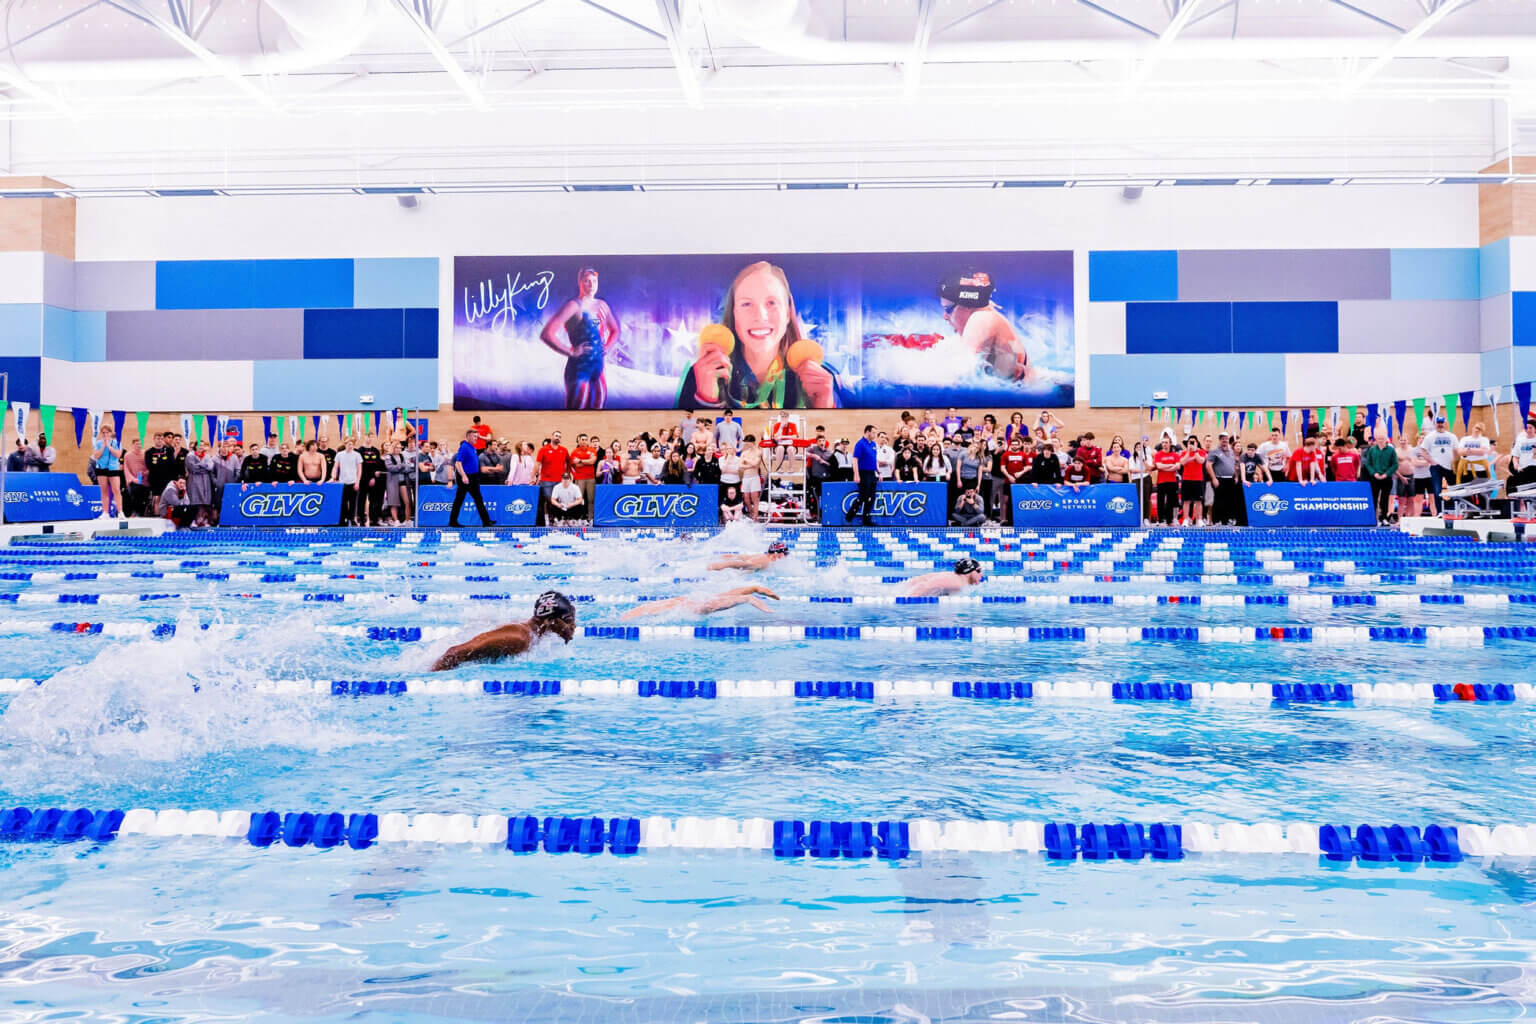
(1047, 465)
(253, 468)
(372, 483)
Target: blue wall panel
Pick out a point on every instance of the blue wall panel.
(1285, 326)
(1178, 327)
(1493, 269)
(21, 329)
(300, 384)
(420, 334)
(1133, 276)
(253, 284)
(1523, 319)
(25, 378)
(1222, 381)
(355, 333)
(411, 283)
(1436, 273)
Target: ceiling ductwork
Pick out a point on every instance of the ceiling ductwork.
(313, 33)
(792, 28)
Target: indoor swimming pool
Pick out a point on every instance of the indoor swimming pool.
(851, 808)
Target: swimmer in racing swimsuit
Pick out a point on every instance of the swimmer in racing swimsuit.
(590, 328)
(552, 613)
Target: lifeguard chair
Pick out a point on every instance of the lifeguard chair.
(784, 486)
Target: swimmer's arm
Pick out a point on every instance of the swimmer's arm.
(555, 326)
(612, 323)
(728, 562)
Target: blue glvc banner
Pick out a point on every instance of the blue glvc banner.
(508, 504)
(896, 504)
(43, 497)
(281, 505)
(1335, 504)
(1060, 505)
(656, 505)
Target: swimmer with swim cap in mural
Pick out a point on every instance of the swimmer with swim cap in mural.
(552, 613)
(706, 605)
(967, 573)
(777, 550)
(967, 303)
(757, 356)
(590, 329)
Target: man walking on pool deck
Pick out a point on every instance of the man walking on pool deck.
(866, 473)
(466, 472)
(552, 613)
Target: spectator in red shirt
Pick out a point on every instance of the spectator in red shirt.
(553, 460)
(1306, 464)
(1092, 456)
(1077, 473)
(584, 469)
(1015, 465)
(483, 434)
(1166, 462)
(1192, 477)
(1346, 460)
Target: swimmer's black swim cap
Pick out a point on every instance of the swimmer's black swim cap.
(973, 289)
(966, 566)
(553, 605)
(778, 547)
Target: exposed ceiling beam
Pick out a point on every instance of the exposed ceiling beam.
(1407, 39)
(449, 63)
(912, 71)
(1368, 15)
(687, 74)
(632, 23)
(1181, 20)
(492, 24)
(1122, 19)
(224, 68)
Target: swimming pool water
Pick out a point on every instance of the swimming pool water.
(201, 929)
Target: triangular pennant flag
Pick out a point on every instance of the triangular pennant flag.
(95, 424)
(376, 418)
(347, 431)
(1450, 410)
(4, 408)
(1418, 414)
(1284, 415)
(186, 426)
(1372, 413)
(318, 431)
(1270, 413)
(1400, 410)
(22, 409)
(293, 426)
(143, 418)
(45, 415)
(119, 420)
(1151, 413)
(81, 414)
(1466, 408)
(1492, 396)
(266, 429)
(341, 428)
(1523, 396)
(1349, 416)
(298, 435)
(212, 420)
(197, 425)
(1322, 416)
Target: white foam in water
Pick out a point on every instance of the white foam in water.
(158, 705)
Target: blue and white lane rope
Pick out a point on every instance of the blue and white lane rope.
(1301, 602)
(1432, 636)
(1176, 693)
(786, 838)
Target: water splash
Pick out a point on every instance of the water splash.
(144, 706)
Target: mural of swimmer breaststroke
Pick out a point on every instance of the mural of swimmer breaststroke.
(801, 330)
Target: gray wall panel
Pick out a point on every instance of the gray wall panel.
(1498, 329)
(205, 334)
(1238, 274)
(104, 285)
(1450, 325)
(58, 281)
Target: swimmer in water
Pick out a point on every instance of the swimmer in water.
(590, 329)
(967, 303)
(706, 605)
(552, 613)
(967, 574)
(777, 550)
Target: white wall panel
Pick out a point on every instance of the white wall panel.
(21, 277)
(1106, 327)
(171, 386)
(1330, 379)
(1522, 263)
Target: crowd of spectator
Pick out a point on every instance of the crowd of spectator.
(1189, 480)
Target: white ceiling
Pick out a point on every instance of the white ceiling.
(246, 93)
